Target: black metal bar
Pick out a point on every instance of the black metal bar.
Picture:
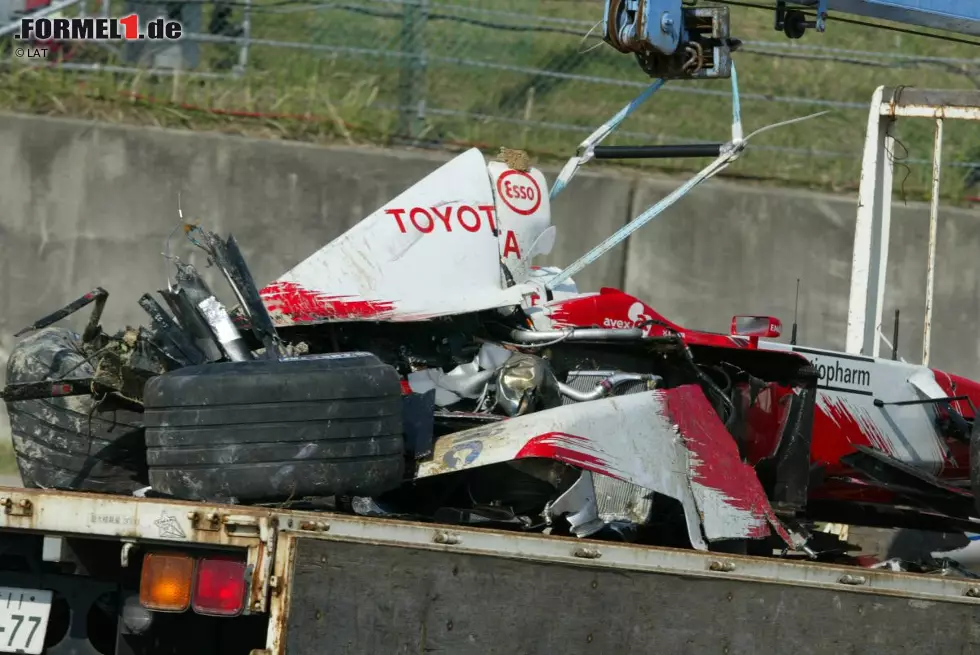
(260, 321)
(170, 298)
(170, 332)
(895, 337)
(53, 389)
(221, 256)
(190, 281)
(191, 320)
(792, 461)
(170, 356)
(658, 152)
(959, 422)
(796, 312)
(98, 295)
(925, 489)
(882, 516)
(92, 328)
(419, 422)
(925, 401)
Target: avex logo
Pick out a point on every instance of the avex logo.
(635, 316)
(836, 373)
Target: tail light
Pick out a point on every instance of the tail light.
(165, 582)
(220, 587)
(174, 582)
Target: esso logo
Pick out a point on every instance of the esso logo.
(519, 191)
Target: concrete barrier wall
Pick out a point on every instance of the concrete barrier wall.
(88, 204)
(729, 249)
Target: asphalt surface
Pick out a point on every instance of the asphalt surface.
(9, 480)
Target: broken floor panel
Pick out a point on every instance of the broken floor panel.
(673, 443)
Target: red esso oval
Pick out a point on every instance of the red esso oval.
(520, 192)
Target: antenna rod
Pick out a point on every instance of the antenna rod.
(895, 337)
(796, 309)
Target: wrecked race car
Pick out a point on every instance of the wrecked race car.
(400, 371)
(644, 418)
(421, 366)
(891, 440)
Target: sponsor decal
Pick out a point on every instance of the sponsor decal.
(837, 374)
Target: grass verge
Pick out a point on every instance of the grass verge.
(342, 79)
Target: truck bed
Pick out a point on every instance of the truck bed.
(334, 583)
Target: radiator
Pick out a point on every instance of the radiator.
(616, 500)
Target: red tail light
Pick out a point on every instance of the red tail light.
(220, 587)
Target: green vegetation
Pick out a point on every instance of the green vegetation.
(321, 92)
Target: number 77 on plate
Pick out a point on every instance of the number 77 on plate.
(24, 615)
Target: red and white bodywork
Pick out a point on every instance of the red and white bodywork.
(440, 248)
(462, 240)
(846, 413)
(669, 441)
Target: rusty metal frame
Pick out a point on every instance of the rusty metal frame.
(873, 228)
(281, 595)
(271, 537)
(150, 522)
(627, 557)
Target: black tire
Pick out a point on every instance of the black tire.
(269, 430)
(73, 442)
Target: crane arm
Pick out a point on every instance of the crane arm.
(957, 16)
(673, 40)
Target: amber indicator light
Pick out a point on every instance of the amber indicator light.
(166, 580)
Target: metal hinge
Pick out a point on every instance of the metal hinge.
(239, 526)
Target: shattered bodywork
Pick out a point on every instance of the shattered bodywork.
(461, 242)
(895, 408)
(434, 250)
(667, 441)
(529, 403)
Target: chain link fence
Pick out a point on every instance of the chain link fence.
(529, 74)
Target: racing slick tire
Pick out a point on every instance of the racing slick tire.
(267, 430)
(71, 442)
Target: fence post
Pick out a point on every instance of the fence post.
(411, 91)
(937, 162)
(246, 35)
(184, 54)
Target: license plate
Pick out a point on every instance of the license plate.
(24, 617)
